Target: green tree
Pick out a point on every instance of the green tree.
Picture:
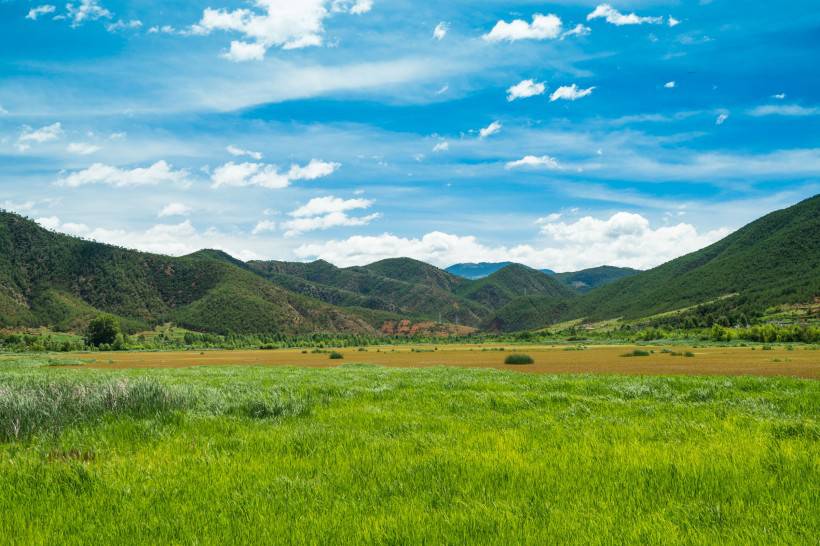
(103, 330)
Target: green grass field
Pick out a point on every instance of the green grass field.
(361, 454)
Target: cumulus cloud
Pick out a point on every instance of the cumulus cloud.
(39, 136)
(670, 85)
(525, 89)
(275, 23)
(245, 51)
(239, 152)
(86, 10)
(721, 119)
(779, 96)
(174, 209)
(570, 92)
(491, 129)
(323, 213)
(268, 176)
(615, 17)
(99, 173)
(794, 110)
(543, 27)
(441, 147)
(673, 22)
(441, 30)
(543, 161)
(82, 148)
(624, 239)
(45, 9)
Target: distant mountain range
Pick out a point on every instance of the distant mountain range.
(583, 281)
(49, 279)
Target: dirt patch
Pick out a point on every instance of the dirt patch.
(799, 362)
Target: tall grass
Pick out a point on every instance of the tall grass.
(366, 455)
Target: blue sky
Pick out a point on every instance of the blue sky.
(558, 134)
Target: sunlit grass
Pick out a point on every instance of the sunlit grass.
(360, 454)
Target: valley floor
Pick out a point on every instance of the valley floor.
(361, 454)
(775, 360)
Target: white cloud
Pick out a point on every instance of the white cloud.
(624, 239)
(239, 152)
(543, 27)
(794, 110)
(82, 148)
(268, 176)
(443, 89)
(99, 173)
(615, 17)
(3, 111)
(525, 89)
(670, 85)
(124, 25)
(174, 209)
(264, 226)
(577, 30)
(554, 217)
(570, 92)
(324, 205)
(779, 96)
(41, 135)
(323, 213)
(441, 30)
(673, 22)
(721, 119)
(314, 169)
(275, 23)
(45, 9)
(356, 7)
(87, 10)
(490, 130)
(441, 147)
(20, 208)
(245, 51)
(249, 174)
(164, 29)
(534, 161)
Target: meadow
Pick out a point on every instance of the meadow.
(365, 454)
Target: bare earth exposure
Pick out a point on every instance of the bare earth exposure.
(779, 361)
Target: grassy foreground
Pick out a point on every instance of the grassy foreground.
(361, 454)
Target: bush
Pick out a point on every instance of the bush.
(637, 352)
(336, 356)
(519, 359)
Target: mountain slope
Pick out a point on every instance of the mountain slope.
(511, 282)
(587, 279)
(773, 260)
(52, 279)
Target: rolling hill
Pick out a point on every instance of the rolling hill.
(773, 260)
(49, 279)
(582, 281)
(52, 279)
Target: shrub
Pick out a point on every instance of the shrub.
(637, 352)
(336, 356)
(690, 354)
(519, 359)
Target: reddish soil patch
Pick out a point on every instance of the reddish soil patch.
(800, 362)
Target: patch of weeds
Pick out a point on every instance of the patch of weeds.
(519, 359)
(336, 356)
(636, 352)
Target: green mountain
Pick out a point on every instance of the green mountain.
(52, 279)
(60, 281)
(588, 279)
(773, 260)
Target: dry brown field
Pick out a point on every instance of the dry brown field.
(799, 362)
